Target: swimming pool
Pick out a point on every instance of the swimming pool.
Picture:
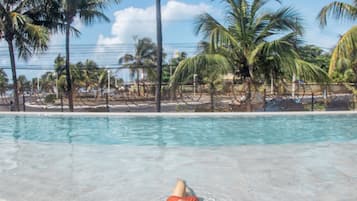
(138, 157)
(179, 130)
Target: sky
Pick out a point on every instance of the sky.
(106, 42)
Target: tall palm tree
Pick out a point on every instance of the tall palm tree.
(22, 30)
(88, 11)
(347, 43)
(143, 60)
(252, 39)
(159, 55)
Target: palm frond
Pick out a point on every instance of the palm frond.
(344, 49)
(208, 66)
(214, 31)
(338, 10)
(89, 16)
(310, 72)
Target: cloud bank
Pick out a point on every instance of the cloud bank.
(140, 22)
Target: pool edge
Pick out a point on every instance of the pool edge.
(177, 114)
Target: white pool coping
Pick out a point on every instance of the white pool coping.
(176, 114)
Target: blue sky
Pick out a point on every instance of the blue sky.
(106, 42)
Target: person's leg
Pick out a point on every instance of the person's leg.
(180, 189)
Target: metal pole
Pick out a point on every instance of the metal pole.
(312, 102)
(271, 83)
(194, 85)
(107, 101)
(293, 86)
(61, 103)
(265, 97)
(31, 88)
(108, 82)
(23, 102)
(56, 85)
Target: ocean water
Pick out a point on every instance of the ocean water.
(180, 130)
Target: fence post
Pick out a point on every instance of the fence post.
(61, 103)
(265, 99)
(312, 102)
(107, 101)
(23, 102)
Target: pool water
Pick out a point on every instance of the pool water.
(180, 131)
(137, 158)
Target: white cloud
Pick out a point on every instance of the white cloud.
(141, 22)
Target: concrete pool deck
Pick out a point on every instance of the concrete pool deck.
(174, 114)
(63, 172)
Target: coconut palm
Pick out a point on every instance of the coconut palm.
(347, 43)
(210, 68)
(254, 40)
(88, 74)
(143, 60)
(22, 30)
(22, 83)
(48, 82)
(87, 11)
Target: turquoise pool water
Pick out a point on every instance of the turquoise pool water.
(180, 131)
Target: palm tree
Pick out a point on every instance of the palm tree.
(88, 11)
(21, 83)
(169, 69)
(89, 71)
(143, 60)
(347, 44)
(209, 67)
(159, 55)
(21, 29)
(48, 82)
(252, 39)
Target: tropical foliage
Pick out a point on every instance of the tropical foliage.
(315, 55)
(259, 44)
(87, 11)
(143, 63)
(86, 76)
(209, 68)
(344, 58)
(22, 29)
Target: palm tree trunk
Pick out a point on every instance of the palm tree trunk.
(14, 76)
(68, 72)
(249, 96)
(212, 92)
(138, 82)
(159, 56)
